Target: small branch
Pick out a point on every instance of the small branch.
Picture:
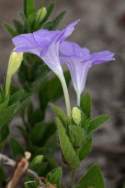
(21, 169)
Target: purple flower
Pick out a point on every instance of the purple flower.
(45, 44)
(79, 61)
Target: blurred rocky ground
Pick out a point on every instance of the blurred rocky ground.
(102, 27)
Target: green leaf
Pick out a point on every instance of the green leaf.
(19, 26)
(85, 149)
(66, 146)
(4, 133)
(10, 29)
(59, 113)
(36, 163)
(16, 148)
(29, 7)
(35, 115)
(57, 20)
(7, 114)
(55, 177)
(85, 104)
(41, 133)
(77, 135)
(96, 122)
(92, 179)
(84, 121)
(54, 23)
(18, 95)
(37, 133)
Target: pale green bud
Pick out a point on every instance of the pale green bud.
(76, 115)
(41, 13)
(13, 66)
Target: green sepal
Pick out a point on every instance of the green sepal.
(77, 135)
(66, 146)
(29, 7)
(54, 23)
(85, 149)
(97, 122)
(85, 104)
(59, 113)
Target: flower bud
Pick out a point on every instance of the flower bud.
(76, 115)
(41, 13)
(14, 64)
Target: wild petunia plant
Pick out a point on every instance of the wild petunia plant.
(40, 48)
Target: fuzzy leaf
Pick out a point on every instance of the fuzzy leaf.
(66, 146)
(85, 149)
(36, 163)
(85, 105)
(19, 26)
(10, 29)
(18, 95)
(59, 113)
(96, 122)
(39, 130)
(92, 179)
(54, 23)
(7, 114)
(76, 134)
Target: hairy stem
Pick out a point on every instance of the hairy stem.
(78, 98)
(66, 94)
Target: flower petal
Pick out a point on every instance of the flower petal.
(78, 62)
(102, 57)
(67, 31)
(24, 42)
(51, 58)
(72, 49)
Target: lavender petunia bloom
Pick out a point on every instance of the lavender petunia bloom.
(45, 44)
(79, 61)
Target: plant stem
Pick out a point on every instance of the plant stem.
(73, 178)
(4, 160)
(66, 94)
(78, 98)
(7, 85)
